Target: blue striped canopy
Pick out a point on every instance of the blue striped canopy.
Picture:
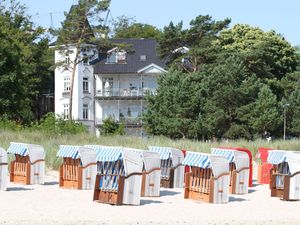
(164, 152)
(68, 151)
(227, 153)
(276, 157)
(107, 153)
(196, 159)
(18, 148)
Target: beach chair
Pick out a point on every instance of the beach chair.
(151, 172)
(285, 178)
(119, 176)
(209, 178)
(263, 167)
(3, 169)
(29, 164)
(79, 167)
(239, 163)
(172, 170)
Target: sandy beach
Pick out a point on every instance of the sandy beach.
(49, 204)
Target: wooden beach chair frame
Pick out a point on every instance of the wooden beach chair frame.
(172, 170)
(239, 168)
(125, 170)
(27, 168)
(78, 170)
(202, 185)
(289, 187)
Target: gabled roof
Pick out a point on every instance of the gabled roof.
(133, 63)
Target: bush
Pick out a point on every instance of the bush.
(6, 124)
(54, 124)
(111, 127)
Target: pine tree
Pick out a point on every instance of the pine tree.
(78, 36)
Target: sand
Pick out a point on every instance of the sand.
(49, 204)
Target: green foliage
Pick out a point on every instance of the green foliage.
(55, 125)
(24, 63)
(126, 27)
(229, 84)
(265, 115)
(112, 127)
(267, 54)
(198, 38)
(6, 124)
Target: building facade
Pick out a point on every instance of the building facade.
(114, 85)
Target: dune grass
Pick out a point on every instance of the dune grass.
(51, 143)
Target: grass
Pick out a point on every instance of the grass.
(51, 143)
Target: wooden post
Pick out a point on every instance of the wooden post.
(80, 174)
(12, 170)
(143, 184)
(28, 171)
(211, 190)
(61, 175)
(96, 189)
(120, 190)
(286, 188)
(187, 184)
(233, 185)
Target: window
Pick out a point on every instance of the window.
(143, 57)
(66, 111)
(121, 57)
(85, 59)
(85, 111)
(116, 56)
(85, 84)
(67, 60)
(67, 84)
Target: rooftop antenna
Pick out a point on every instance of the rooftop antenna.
(51, 17)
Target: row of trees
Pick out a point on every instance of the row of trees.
(232, 83)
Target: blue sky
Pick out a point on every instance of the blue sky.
(281, 16)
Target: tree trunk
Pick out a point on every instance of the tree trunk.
(72, 85)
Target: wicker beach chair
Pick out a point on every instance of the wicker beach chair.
(29, 164)
(172, 170)
(209, 178)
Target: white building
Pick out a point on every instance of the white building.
(114, 85)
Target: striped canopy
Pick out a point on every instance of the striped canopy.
(107, 153)
(18, 148)
(137, 151)
(227, 153)
(196, 159)
(68, 151)
(276, 157)
(164, 152)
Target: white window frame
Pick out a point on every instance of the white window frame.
(67, 84)
(85, 85)
(66, 111)
(85, 111)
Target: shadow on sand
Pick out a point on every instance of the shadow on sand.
(168, 193)
(233, 199)
(19, 189)
(51, 183)
(146, 202)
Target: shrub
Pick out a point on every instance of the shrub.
(111, 127)
(54, 124)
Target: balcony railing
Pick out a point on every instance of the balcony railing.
(128, 121)
(113, 92)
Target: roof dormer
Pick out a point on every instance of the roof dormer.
(116, 56)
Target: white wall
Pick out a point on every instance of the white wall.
(79, 97)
